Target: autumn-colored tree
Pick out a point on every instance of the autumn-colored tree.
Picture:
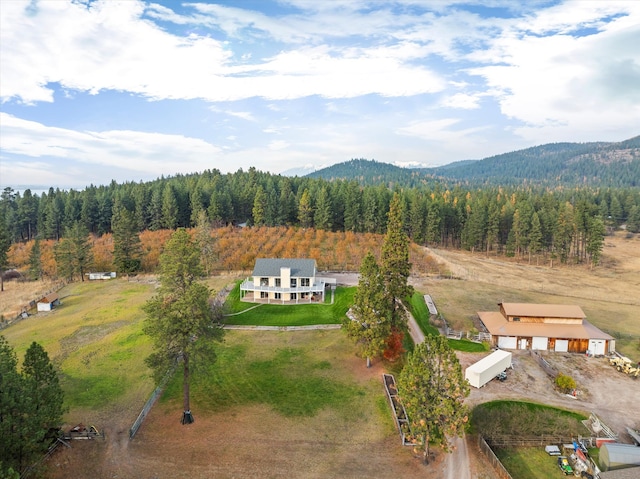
(432, 389)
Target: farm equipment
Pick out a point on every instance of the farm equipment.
(563, 464)
(625, 365)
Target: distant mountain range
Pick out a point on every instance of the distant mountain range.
(553, 164)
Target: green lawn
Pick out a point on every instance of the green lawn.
(421, 314)
(296, 375)
(528, 420)
(95, 340)
(290, 315)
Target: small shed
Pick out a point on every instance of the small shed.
(614, 455)
(48, 302)
(480, 373)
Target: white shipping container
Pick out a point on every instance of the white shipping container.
(480, 373)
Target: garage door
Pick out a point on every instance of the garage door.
(507, 342)
(596, 346)
(539, 343)
(562, 345)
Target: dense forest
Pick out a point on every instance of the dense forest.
(556, 164)
(567, 224)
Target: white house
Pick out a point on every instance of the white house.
(48, 302)
(283, 281)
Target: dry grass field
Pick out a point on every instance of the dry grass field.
(609, 294)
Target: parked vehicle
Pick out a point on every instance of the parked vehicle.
(563, 464)
(502, 376)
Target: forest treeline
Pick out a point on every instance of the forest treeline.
(596, 164)
(567, 224)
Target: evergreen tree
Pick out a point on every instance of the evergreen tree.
(44, 397)
(369, 324)
(73, 253)
(305, 211)
(11, 403)
(31, 404)
(127, 248)
(322, 216)
(206, 243)
(394, 264)
(432, 234)
(5, 244)
(595, 239)
(169, 208)
(180, 321)
(432, 389)
(35, 261)
(63, 255)
(82, 248)
(633, 222)
(259, 207)
(535, 236)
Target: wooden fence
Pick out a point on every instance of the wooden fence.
(544, 364)
(150, 402)
(493, 459)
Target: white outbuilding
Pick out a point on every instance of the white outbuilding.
(48, 302)
(480, 373)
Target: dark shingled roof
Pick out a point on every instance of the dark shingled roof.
(300, 268)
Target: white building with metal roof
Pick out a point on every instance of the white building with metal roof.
(545, 327)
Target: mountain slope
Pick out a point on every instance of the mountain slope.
(553, 164)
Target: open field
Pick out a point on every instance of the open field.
(609, 295)
(95, 338)
(277, 404)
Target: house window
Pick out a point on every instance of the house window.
(516, 319)
(264, 294)
(277, 282)
(264, 281)
(294, 295)
(278, 295)
(294, 282)
(304, 281)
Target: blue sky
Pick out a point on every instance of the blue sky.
(94, 91)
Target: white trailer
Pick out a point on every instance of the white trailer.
(480, 373)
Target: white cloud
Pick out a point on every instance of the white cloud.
(461, 101)
(565, 87)
(108, 46)
(278, 145)
(139, 153)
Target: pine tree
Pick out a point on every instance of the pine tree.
(5, 244)
(595, 239)
(305, 211)
(432, 389)
(394, 263)
(535, 236)
(322, 216)
(206, 243)
(180, 320)
(369, 324)
(127, 248)
(259, 207)
(35, 261)
(31, 404)
(82, 248)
